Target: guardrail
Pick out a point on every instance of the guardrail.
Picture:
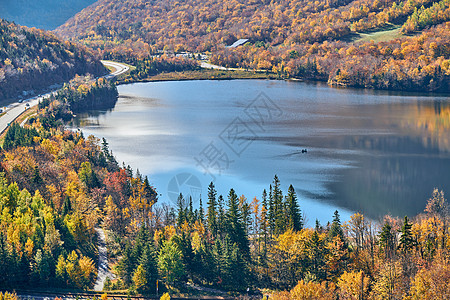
(27, 295)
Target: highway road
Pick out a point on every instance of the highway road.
(119, 68)
(12, 111)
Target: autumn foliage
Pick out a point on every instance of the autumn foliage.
(56, 186)
(309, 40)
(32, 59)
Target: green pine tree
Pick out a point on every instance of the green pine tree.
(407, 241)
(235, 224)
(336, 228)
(212, 209)
(295, 221)
(386, 240)
(150, 266)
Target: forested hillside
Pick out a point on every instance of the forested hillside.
(53, 188)
(312, 40)
(43, 14)
(32, 59)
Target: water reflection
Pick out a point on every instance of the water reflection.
(375, 152)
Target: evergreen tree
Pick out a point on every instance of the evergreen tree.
(407, 241)
(217, 253)
(67, 206)
(184, 243)
(238, 270)
(294, 215)
(264, 224)
(244, 208)
(201, 212)
(150, 266)
(387, 240)
(336, 228)
(191, 215)
(126, 265)
(318, 227)
(181, 210)
(272, 211)
(235, 224)
(278, 210)
(212, 209)
(221, 216)
(317, 253)
(207, 270)
(37, 179)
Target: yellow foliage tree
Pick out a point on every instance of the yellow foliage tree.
(352, 285)
(139, 278)
(312, 291)
(431, 283)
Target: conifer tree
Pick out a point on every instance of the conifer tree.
(294, 215)
(191, 214)
(278, 211)
(271, 215)
(212, 209)
(201, 212)
(221, 216)
(407, 241)
(336, 229)
(235, 224)
(317, 257)
(126, 265)
(387, 240)
(264, 223)
(182, 217)
(150, 266)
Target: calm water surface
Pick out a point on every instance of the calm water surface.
(367, 151)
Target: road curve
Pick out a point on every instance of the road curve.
(14, 110)
(120, 68)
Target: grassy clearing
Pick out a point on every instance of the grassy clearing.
(206, 74)
(380, 36)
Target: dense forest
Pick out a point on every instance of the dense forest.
(57, 186)
(318, 40)
(54, 186)
(81, 94)
(32, 59)
(147, 67)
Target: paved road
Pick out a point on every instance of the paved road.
(103, 270)
(16, 109)
(119, 68)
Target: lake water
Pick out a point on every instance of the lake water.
(373, 152)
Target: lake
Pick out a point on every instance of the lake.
(374, 152)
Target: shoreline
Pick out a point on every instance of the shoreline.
(161, 78)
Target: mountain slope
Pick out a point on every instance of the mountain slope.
(202, 25)
(312, 40)
(44, 14)
(31, 59)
